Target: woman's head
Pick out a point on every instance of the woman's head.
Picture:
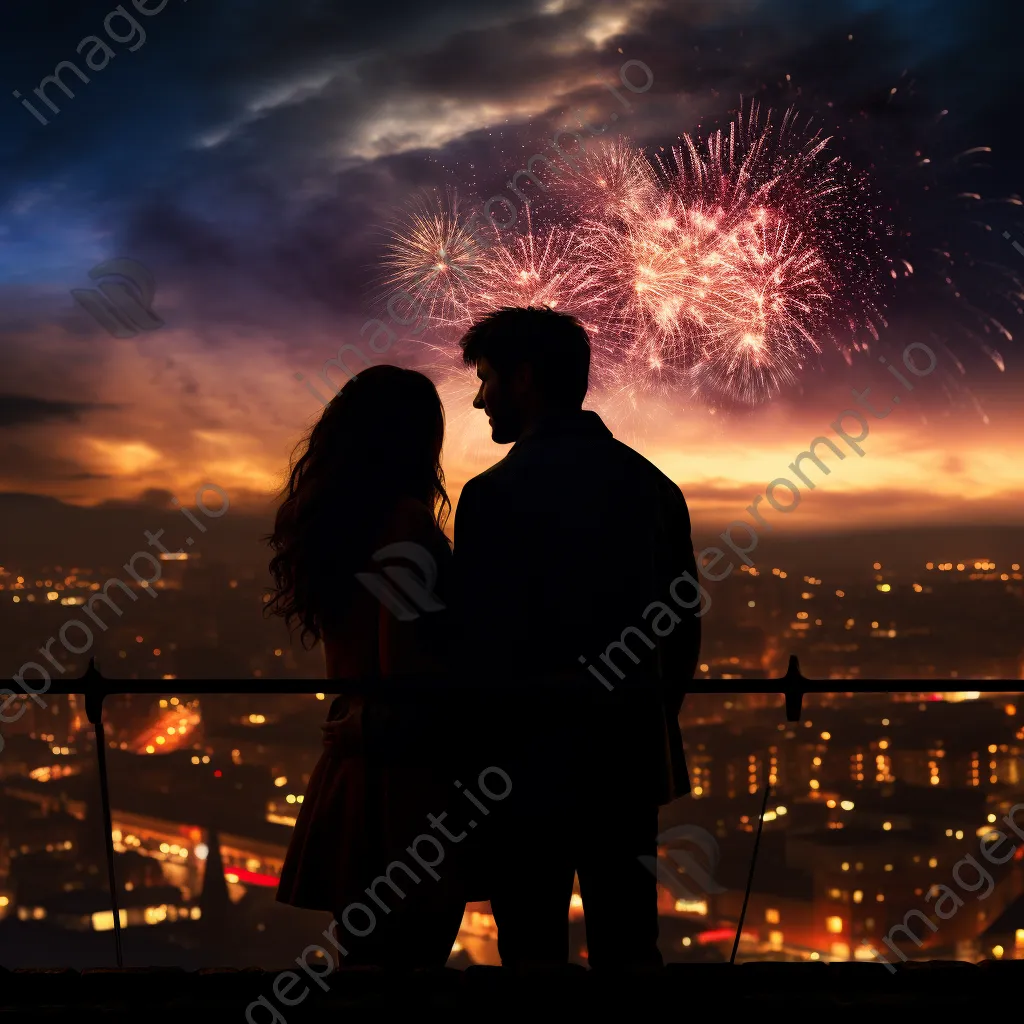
(377, 442)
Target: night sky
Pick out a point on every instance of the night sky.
(250, 154)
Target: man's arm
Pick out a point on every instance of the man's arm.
(489, 570)
(681, 651)
(464, 544)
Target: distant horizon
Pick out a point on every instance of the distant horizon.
(51, 531)
(256, 505)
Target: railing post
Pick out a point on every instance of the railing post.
(94, 692)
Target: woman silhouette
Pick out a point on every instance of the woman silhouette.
(370, 477)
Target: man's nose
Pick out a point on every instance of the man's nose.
(478, 402)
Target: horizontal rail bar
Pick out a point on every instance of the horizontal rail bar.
(93, 682)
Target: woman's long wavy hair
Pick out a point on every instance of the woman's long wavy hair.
(377, 442)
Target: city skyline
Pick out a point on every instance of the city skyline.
(874, 607)
(878, 805)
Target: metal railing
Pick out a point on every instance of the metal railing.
(96, 688)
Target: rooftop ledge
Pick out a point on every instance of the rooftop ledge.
(169, 993)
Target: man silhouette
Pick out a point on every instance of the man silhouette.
(567, 551)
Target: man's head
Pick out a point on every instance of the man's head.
(531, 362)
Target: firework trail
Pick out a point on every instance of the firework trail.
(959, 287)
(722, 270)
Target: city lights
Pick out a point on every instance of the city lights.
(842, 747)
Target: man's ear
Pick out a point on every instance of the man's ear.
(522, 379)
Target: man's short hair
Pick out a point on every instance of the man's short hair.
(554, 344)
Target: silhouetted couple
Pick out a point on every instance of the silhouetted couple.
(543, 647)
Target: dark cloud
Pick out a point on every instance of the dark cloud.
(153, 498)
(274, 219)
(25, 410)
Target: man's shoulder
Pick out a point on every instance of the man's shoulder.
(485, 486)
(491, 476)
(630, 461)
(605, 453)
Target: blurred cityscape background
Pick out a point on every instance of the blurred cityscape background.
(875, 797)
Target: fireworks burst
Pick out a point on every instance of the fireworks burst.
(716, 271)
(731, 270)
(434, 254)
(615, 179)
(539, 268)
(760, 327)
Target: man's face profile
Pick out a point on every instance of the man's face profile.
(498, 398)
